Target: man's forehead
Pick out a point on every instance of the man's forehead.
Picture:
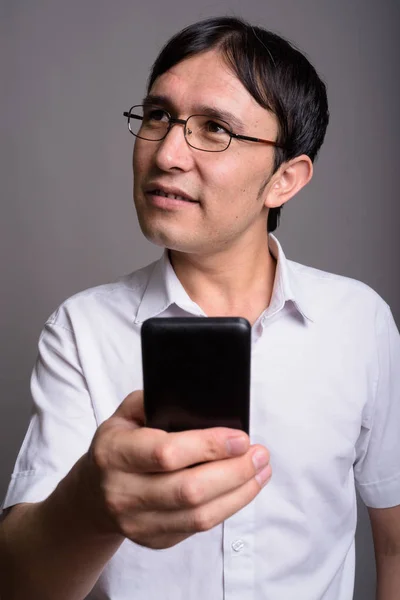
(201, 71)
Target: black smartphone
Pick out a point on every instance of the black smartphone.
(196, 372)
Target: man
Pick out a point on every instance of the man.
(102, 505)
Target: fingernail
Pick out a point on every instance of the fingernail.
(236, 445)
(260, 460)
(263, 476)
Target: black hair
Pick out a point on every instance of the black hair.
(278, 76)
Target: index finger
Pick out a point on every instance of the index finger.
(148, 450)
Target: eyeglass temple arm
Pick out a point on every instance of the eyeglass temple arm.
(254, 139)
(132, 116)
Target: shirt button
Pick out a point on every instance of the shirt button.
(238, 545)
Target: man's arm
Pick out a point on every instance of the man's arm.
(54, 549)
(132, 484)
(385, 523)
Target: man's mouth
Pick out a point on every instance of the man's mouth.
(167, 196)
(159, 192)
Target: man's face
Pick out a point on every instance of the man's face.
(229, 188)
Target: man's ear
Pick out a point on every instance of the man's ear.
(288, 180)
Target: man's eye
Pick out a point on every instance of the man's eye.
(156, 115)
(214, 127)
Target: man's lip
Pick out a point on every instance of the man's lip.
(153, 187)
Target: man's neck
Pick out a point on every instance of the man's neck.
(234, 282)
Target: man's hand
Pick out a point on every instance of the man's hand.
(147, 493)
(133, 483)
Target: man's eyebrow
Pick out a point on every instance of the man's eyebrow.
(201, 109)
(158, 100)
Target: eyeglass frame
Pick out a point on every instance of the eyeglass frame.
(173, 121)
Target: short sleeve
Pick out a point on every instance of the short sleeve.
(377, 466)
(62, 423)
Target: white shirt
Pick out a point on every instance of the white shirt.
(325, 400)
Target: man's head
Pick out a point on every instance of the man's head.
(259, 78)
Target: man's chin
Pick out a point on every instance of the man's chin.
(182, 246)
(163, 240)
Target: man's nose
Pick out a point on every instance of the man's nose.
(174, 151)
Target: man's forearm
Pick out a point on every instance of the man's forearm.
(388, 577)
(54, 549)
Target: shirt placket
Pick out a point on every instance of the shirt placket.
(238, 545)
(239, 532)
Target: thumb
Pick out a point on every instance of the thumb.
(132, 408)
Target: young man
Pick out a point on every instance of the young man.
(102, 505)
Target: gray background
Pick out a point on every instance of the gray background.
(69, 69)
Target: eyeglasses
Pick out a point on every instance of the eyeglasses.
(202, 132)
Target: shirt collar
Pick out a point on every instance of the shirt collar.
(164, 288)
(287, 286)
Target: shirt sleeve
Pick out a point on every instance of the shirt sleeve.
(377, 466)
(62, 423)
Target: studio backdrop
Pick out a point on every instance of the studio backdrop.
(70, 69)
